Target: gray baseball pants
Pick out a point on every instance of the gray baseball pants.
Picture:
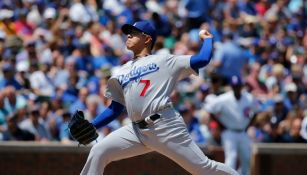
(168, 136)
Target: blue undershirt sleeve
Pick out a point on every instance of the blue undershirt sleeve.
(108, 115)
(203, 57)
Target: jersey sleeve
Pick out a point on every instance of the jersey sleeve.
(114, 91)
(180, 65)
(214, 106)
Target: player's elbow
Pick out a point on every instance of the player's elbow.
(198, 61)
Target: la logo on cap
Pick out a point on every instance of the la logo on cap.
(235, 79)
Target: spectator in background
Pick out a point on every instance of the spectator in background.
(3, 114)
(112, 37)
(6, 22)
(2, 44)
(13, 100)
(28, 54)
(247, 7)
(273, 133)
(193, 125)
(102, 87)
(80, 103)
(161, 24)
(93, 107)
(291, 100)
(215, 133)
(13, 46)
(254, 85)
(49, 17)
(296, 76)
(70, 94)
(64, 135)
(69, 42)
(232, 11)
(260, 128)
(293, 135)
(22, 77)
(9, 78)
(84, 59)
(35, 125)
(280, 111)
(40, 82)
(196, 12)
(229, 59)
(262, 6)
(80, 13)
(275, 76)
(303, 131)
(14, 132)
(23, 28)
(95, 42)
(58, 73)
(45, 114)
(201, 95)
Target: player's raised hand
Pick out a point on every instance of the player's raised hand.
(203, 34)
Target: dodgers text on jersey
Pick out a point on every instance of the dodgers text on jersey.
(137, 73)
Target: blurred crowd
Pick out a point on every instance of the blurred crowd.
(56, 57)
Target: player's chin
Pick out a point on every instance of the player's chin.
(129, 47)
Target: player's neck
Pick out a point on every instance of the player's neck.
(237, 95)
(141, 54)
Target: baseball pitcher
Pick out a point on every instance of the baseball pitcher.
(143, 87)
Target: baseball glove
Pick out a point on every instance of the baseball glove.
(81, 129)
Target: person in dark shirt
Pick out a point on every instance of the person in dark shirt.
(14, 132)
(293, 135)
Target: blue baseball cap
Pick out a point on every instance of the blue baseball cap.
(204, 88)
(183, 109)
(236, 81)
(7, 67)
(142, 26)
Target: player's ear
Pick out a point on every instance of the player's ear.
(148, 40)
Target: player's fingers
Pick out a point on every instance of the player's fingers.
(208, 34)
(205, 34)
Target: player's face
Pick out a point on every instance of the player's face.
(135, 41)
(237, 90)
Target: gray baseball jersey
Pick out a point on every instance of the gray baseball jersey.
(144, 85)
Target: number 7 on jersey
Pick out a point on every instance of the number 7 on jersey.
(147, 84)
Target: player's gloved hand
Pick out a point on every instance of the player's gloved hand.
(81, 129)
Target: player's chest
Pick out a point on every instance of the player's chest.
(142, 79)
(240, 109)
(134, 73)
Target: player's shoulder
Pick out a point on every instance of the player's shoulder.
(173, 56)
(124, 67)
(219, 99)
(225, 95)
(159, 59)
(247, 95)
(126, 64)
(225, 98)
(159, 56)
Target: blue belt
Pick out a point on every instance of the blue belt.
(237, 130)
